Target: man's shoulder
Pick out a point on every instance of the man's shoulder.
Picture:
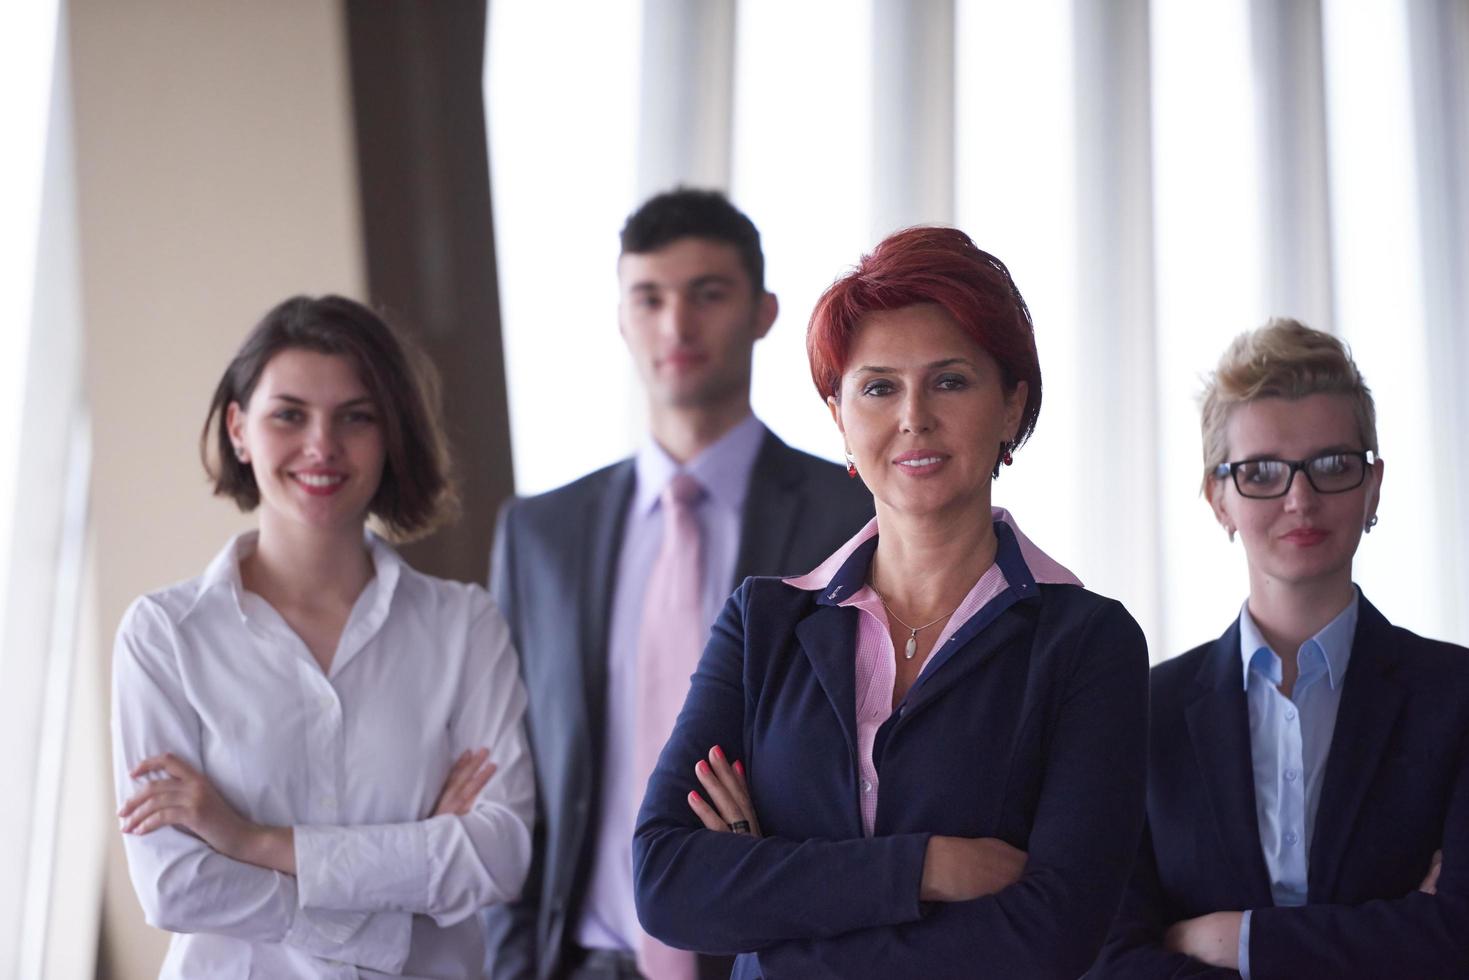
(814, 474)
(551, 508)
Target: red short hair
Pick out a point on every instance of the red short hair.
(934, 265)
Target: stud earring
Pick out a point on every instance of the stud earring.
(1371, 523)
(851, 467)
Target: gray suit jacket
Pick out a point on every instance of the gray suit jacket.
(551, 571)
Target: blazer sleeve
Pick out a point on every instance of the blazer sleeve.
(1134, 949)
(510, 927)
(729, 893)
(1052, 922)
(184, 885)
(1418, 935)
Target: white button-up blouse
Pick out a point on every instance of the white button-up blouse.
(354, 760)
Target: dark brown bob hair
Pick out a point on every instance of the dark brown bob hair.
(417, 492)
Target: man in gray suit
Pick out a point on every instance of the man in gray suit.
(570, 570)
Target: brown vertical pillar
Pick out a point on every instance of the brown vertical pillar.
(417, 92)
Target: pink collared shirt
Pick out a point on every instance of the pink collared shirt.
(876, 658)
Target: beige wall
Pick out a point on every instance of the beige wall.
(215, 177)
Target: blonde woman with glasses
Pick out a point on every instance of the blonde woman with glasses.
(1308, 795)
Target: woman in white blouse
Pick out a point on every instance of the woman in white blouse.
(304, 736)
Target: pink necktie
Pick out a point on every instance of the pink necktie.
(671, 638)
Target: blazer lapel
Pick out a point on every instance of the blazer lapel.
(606, 514)
(995, 637)
(1219, 727)
(828, 636)
(772, 506)
(1370, 703)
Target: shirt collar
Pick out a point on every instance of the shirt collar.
(223, 573)
(1334, 641)
(722, 468)
(845, 571)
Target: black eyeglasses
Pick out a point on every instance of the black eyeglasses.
(1262, 479)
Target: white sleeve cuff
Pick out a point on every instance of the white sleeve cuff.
(379, 941)
(1244, 945)
(363, 868)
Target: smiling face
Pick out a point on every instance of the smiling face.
(1305, 538)
(312, 437)
(924, 408)
(691, 318)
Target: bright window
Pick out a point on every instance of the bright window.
(1379, 295)
(1206, 215)
(27, 48)
(562, 154)
(803, 172)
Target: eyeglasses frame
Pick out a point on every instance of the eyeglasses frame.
(1231, 470)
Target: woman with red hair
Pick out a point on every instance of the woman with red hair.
(925, 757)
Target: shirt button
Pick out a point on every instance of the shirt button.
(866, 786)
(1290, 837)
(1290, 775)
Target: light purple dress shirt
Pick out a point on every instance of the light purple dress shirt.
(608, 918)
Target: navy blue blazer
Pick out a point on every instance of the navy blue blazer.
(1030, 726)
(1396, 789)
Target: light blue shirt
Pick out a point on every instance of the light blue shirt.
(1290, 739)
(609, 919)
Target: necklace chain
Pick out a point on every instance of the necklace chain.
(911, 629)
(911, 647)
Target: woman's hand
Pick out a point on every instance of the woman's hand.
(469, 774)
(961, 869)
(1211, 939)
(732, 811)
(186, 800)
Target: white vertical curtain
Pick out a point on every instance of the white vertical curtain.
(43, 524)
(1160, 176)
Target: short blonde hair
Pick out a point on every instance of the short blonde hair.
(1282, 359)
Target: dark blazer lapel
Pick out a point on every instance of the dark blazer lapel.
(1370, 703)
(994, 638)
(1219, 727)
(606, 514)
(772, 506)
(829, 636)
